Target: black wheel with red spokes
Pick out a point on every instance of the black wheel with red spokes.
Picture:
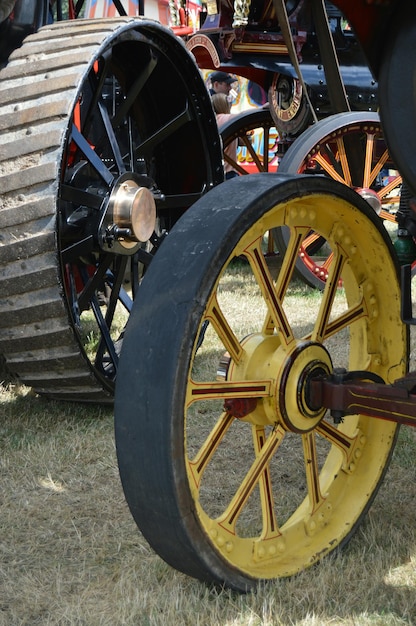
(98, 119)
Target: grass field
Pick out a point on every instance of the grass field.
(72, 555)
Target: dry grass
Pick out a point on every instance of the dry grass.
(72, 555)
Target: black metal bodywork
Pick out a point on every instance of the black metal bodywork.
(24, 19)
(259, 51)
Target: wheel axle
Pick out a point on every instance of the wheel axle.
(351, 393)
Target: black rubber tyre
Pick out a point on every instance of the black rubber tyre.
(98, 120)
(229, 473)
(350, 148)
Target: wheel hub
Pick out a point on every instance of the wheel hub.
(289, 402)
(371, 197)
(296, 410)
(131, 215)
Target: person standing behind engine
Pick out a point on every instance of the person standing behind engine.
(221, 83)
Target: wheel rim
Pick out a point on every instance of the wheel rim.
(105, 176)
(288, 106)
(323, 150)
(255, 483)
(257, 151)
(258, 142)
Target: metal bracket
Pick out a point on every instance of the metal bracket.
(406, 295)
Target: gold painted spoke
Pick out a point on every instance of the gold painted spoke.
(344, 162)
(223, 329)
(253, 154)
(247, 143)
(328, 261)
(331, 287)
(328, 168)
(253, 478)
(378, 167)
(312, 470)
(268, 289)
(369, 149)
(234, 164)
(215, 390)
(200, 462)
(266, 137)
(343, 442)
(384, 191)
(386, 215)
(309, 240)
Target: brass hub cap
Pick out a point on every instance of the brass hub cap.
(132, 208)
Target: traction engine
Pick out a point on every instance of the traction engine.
(251, 438)
(275, 428)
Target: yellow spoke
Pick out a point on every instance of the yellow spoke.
(199, 463)
(229, 519)
(214, 390)
(312, 470)
(343, 442)
(268, 289)
(331, 287)
(223, 329)
(297, 237)
(346, 319)
(270, 527)
(342, 321)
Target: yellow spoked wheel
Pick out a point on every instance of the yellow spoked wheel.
(230, 472)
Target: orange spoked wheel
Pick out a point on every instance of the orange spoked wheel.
(349, 148)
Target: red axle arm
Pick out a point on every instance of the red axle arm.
(395, 403)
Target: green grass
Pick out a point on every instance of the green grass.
(71, 553)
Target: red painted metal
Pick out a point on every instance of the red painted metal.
(395, 403)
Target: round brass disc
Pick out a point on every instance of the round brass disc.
(133, 207)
